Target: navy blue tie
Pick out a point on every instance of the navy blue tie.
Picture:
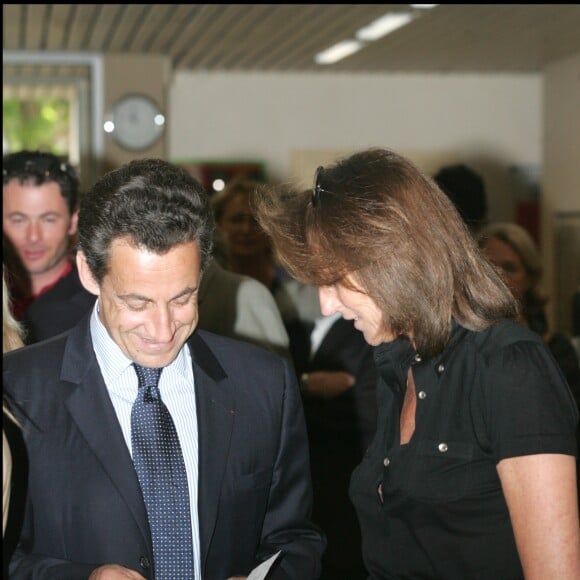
(161, 471)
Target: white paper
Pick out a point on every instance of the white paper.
(260, 572)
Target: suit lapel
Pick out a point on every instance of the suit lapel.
(215, 415)
(91, 409)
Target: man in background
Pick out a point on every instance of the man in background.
(40, 211)
(466, 189)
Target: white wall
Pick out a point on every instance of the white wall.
(561, 187)
(562, 134)
(492, 122)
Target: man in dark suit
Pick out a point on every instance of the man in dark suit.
(93, 509)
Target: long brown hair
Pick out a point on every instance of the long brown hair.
(378, 217)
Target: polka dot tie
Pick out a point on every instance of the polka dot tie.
(161, 471)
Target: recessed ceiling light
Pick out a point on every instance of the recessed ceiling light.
(373, 31)
(338, 51)
(384, 25)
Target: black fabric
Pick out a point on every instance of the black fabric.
(58, 309)
(559, 344)
(299, 332)
(490, 395)
(339, 430)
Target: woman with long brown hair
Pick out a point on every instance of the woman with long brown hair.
(471, 473)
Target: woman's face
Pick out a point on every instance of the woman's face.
(358, 306)
(504, 257)
(243, 234)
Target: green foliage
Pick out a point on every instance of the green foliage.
(36, 124)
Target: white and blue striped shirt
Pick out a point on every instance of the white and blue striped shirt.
(177, 389)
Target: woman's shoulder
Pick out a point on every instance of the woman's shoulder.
(502, 334)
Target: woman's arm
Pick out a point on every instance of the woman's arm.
(542, 499)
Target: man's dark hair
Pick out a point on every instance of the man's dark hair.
(466, 189)
(40, 167)
(150, 202)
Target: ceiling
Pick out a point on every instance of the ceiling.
(454, 38)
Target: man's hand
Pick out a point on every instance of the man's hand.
(114, 572)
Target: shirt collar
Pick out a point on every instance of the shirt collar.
(394, 358)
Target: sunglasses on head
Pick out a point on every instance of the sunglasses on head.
(318, 188)
(54, 169)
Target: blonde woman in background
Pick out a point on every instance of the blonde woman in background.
(11, 339)
(513, 251)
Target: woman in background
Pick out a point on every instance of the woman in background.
(513, 251)
(246, 249)
(471, 473)
(11, 339)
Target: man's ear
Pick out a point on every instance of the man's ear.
(74, 220)
(85, 274)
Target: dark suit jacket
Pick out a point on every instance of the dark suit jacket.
(84, 504)
(352, 416)
(58, 309)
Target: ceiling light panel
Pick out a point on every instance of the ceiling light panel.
(384, 25)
